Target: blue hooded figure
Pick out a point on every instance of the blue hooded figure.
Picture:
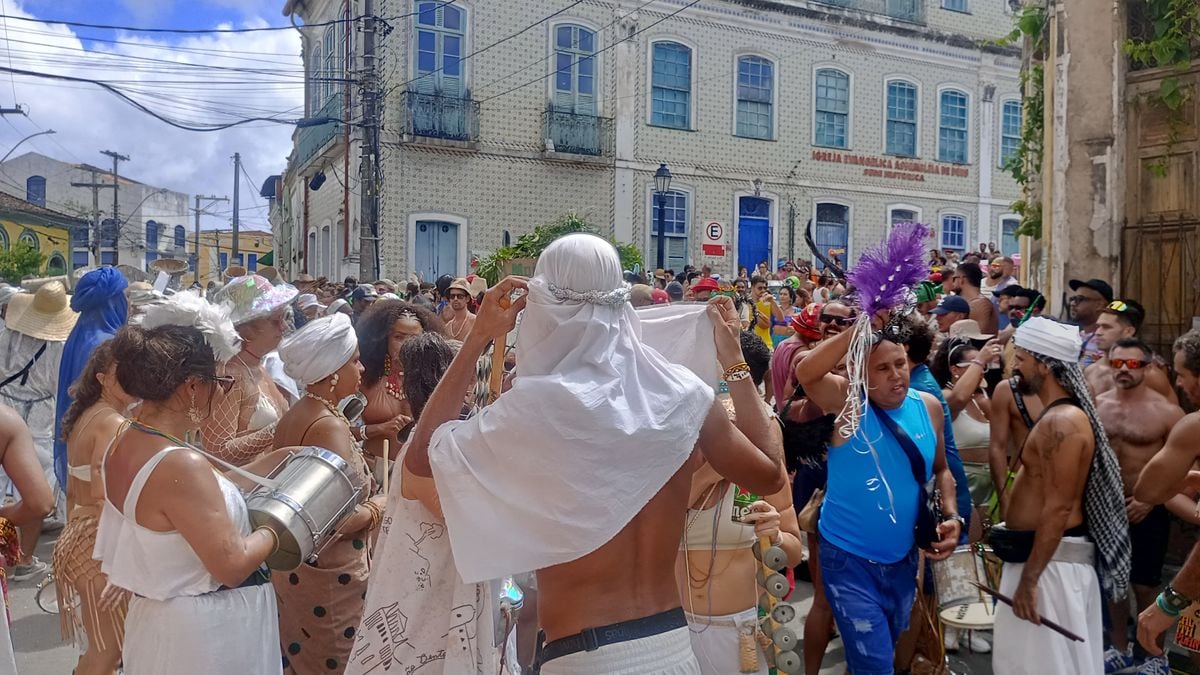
(100, 300)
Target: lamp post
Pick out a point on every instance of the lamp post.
(14, 148)
(662, 183)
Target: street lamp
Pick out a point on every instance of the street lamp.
(662, 183)
(10, 152)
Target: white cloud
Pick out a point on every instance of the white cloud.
(88, 119)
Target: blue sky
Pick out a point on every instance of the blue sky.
(160, 13)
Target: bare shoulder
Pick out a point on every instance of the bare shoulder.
(1066, 424)
(1187, 429)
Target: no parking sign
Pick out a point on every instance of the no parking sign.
(714, 244)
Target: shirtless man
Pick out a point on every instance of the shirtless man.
(620, 601)
(1138, 421)
(1046, 545)
(1163, 479)
(1013, 414)
(1122, 319)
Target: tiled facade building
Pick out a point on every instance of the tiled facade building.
(852, 113)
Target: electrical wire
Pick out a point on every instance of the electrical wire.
(8, 50)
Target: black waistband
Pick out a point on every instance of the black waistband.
(258, 577)
(594, 638)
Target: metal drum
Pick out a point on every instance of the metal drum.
(313, 494)
(960, 603)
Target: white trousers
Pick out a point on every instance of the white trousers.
(1069, 595)
(664, 654)
(716, 644)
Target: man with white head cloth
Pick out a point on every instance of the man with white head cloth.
(581, 472)
(1066, 517)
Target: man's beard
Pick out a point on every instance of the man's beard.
(1028, 386)
(1125, 382)
(996, 274)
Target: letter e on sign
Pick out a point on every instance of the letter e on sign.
(714, 231)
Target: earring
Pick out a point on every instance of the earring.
(193, 412)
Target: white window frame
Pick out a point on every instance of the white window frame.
(597, 54)
(901, 207)
(849, 224)
(812, 108)
(941, 227)
(315, 88)
(775, 78)
(887, 80)
(1000, 127)
(966, 6)
(676, 186)
(1000, 230)
(937, 123)
(694, 84)
(464, 231)
(468, 42)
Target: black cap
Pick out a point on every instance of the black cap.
(1012, 289)
(363, 292)
(675, 291)
(1099, 285)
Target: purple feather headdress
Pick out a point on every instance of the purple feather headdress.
(883, 279)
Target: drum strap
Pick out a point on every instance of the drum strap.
(253, 478)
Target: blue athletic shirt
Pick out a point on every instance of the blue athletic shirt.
(858, 516)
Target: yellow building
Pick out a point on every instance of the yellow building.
(49, 232)
(216, 247)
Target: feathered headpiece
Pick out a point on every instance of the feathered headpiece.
(883, 279)
(212, 320)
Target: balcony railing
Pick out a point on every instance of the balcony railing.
(912, 11)
(312, 139)
(578, 134)
(452, 118)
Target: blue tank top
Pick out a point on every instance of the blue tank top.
(870, 503)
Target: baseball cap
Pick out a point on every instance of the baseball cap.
(1012, 289)
(660, 297)
(1099, 285)
(952, 303)
(706, 284)
(675, 291)
(363, 292)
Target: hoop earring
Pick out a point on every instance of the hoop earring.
(193, 412)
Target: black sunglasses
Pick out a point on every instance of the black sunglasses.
(837, 320)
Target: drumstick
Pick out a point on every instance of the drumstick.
(386, 464)
(1046, 622)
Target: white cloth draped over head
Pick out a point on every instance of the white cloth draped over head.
(1052, 339)
(596, 422)
(319, 349)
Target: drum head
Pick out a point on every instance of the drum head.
(289, 556)
(975, 616)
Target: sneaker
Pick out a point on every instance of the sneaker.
(978, 643)
(35, 568)
(1116, 661)
(1155, 665)
(950, 639)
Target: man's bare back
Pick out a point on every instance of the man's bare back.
(1138, 422)
(1045, 470)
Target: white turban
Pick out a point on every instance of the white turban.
(1051, 339)
(319, 349)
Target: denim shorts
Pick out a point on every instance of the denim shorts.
(872, 603)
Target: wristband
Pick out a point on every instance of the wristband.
(1166, 609)
(274, 538)
(1172, 602)
(736, 372)
(981, 364)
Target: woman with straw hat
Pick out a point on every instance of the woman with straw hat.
(31, 353)
(243, 425)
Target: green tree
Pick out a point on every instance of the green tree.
(19, 261)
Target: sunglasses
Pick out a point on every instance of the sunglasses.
(1118, 306)
(1076, 299)
(225, 382)
(1131, 364)
(837, 320)
(458, 296)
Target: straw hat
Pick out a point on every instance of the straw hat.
(269, 273)
(253, 297)
(234, 271)
(45, 315)
(7, 293)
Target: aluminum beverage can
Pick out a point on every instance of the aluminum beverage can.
(742, 499)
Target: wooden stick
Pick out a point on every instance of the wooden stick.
(1045, 622)
(387, 464)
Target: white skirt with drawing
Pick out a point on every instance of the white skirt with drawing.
(419, 615)
(1069, 595)
(668, 653)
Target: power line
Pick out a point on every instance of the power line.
(571, 65)
(217, 53)
(8, 50)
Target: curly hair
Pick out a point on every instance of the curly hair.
(153, 363)
(425, 358)
(85, 391)
(375, 331)
(757, 356)
(1189, 344)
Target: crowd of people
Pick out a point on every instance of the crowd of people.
(497, 438)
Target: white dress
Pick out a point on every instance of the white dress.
(32, 398)
(180, 621)
(419, 615)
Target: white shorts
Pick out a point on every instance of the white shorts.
(717, 645)
(663, 654)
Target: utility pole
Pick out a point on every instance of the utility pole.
(117, 158)
(368, 255)
(96, 187)
(210, 199)
(237, 175)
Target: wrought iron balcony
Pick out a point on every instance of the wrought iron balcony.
(312, 139)
(578, 134)
(452, 118)
(912, 11)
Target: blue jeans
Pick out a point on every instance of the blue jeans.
(872, 603)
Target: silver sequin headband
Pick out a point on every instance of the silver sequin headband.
(617, 296)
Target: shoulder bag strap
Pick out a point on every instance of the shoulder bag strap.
(23, 374)
(1020, 401)
(910, 449)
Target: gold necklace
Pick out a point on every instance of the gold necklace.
(455, 333)
(330, 407)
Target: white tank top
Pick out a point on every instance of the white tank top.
(156, 565)
(971, 433)
(730, 536)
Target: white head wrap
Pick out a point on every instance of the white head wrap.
(187, 308)
(319, 349)
(596, 422)
(1052, 339)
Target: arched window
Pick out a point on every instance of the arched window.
(57, 266)
(441, 37)
(180, 238)
(30, 238)
(952, 126)
(671, 86)
(151, 241)
(832, 119)
(4, 238)
(574, 70)
(755, 97)
(832, 231)
(331, 63)
(901, 118)
(316, 88)
(35, 190)
(1010, 130)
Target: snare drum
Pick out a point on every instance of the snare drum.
(313, 494)
(960, 603)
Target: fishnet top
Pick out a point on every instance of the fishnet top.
(226, 432)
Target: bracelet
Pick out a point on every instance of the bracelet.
(1166, 609)
(376, 514)
(737, 372)
(274, 537)
(981, 364)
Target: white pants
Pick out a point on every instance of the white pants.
(716, 644)
(1069, 595)
(664, 654)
